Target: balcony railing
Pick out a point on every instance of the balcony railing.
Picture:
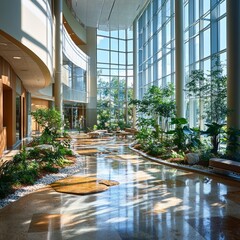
(73, 95)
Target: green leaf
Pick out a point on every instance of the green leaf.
(179, 121)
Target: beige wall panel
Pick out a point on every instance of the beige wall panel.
(8, 116)
(2, 132)
(8, 106)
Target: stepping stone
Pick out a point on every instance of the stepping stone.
(108, 182)
(88, 151)
(82, 185)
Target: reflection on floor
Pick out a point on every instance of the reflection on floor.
(152, 201)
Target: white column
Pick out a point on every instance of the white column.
(135, 69)
(28, 115)
(58, 92)
(179, 58)
(91, 110)
(233, 62)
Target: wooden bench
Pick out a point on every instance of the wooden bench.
(224, 166)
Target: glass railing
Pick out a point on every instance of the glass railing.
(74, 95)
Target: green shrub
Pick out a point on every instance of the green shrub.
(20, 170)
(5, 188)
(49, 167)
(34, 153)
(24, 172)
(206, 155)
(26, 166)
(51, 122)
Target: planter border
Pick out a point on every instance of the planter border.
(210, 172)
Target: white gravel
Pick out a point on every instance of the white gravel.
(40, 183)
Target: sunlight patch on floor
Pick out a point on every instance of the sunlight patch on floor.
(164, 205)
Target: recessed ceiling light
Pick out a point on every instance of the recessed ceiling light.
(17, 58)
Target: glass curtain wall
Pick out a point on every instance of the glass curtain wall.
(156, 46)
(74, 116)
(205, 38)
(75, 77)
(115, 78)
(74, 93)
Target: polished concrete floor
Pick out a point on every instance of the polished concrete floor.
(152, 201)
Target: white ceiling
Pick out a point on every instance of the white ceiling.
(107, 14)
(103, 14)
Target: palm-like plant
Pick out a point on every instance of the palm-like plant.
(214, 130)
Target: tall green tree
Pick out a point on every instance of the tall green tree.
(112, 105)
(211, 91)
(158, 105)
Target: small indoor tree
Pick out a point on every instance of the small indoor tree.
(217, 92)
(211, 91)
(196, 88)
(112, 107)
(158, 105)
(50, 121)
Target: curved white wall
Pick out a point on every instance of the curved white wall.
(74, 24)
(30, 22)
(73, 53)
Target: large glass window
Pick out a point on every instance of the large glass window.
(157, 61)
(115, 78)
(77, 77)
(204, 38)
(223, 34)
(206, 43)
(206, 6)
(103, 56)
(103, 42)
